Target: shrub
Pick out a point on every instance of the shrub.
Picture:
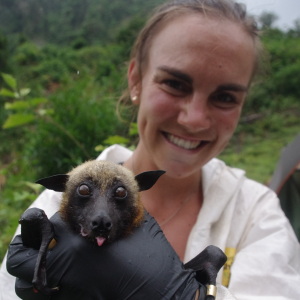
(87, 117)
(27, 54)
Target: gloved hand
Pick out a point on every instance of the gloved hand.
(141, 266)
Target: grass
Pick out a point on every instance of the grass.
(257, 151)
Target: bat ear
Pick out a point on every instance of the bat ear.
(146, 180)
(56, 182)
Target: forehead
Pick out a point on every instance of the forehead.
(102, 173)
(193, 41)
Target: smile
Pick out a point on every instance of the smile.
(182, 143)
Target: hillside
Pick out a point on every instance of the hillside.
(69, 21)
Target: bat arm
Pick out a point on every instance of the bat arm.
(39, 278)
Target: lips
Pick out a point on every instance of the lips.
(82, 231)
(100, 240)
(183, 143)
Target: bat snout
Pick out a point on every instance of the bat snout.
(101, 222)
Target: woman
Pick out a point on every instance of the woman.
(189, 74)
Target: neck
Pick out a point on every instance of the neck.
(169, 191)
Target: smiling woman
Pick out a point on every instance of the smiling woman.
(189, 74)
(192, 90)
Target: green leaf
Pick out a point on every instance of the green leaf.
(11, 81)
(17, 105)
(7, 93)
(18, 120)
(3, 171)
(22, 196)
(49, 111)
(36, 187)
(132, 147)
(133, 130)
(24, 92)
(43, 112)
(116, 139)
(100, 148)
(37, 101)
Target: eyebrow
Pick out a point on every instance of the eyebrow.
(232, 87)
(176, 73)
(224, 87)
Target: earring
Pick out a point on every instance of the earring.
(134, 98)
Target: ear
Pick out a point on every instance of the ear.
(56, 183)
(133, 80)
(146, 180)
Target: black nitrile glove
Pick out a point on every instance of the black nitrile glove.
(141, 266)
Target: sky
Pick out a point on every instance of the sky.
(287, 10)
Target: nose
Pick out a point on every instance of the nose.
(101, 222)
(195, 113)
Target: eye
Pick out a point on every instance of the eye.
(120, 192)
(84, 190)
(225, 100)
(174, 84)
(175, 87)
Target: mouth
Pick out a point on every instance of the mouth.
(82, 231)
(183, 143)
(99, 239)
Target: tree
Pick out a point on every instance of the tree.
(267, 19)
(3, 54)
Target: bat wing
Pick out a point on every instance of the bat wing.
(37, 232)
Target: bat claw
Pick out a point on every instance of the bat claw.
(46, 290)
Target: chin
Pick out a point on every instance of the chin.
(179, 169)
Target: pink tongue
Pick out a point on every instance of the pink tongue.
(100, 240)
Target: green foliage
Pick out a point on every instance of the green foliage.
(7, 93)
(18, 120)
(127, 35)
(87, 117)
(11, 82)
(133, 130)
(267, 19)
(72, 86)
(3, 54)
(278, 90)
(49, 71)
(79, 43)
(70, 22)
(21, 105)
(111, 140)
(26, 54)
(256, 147)
(26, 110)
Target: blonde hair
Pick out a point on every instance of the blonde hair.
(225, 9)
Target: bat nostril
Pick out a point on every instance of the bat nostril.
(102, 223)
(95, 224)
(108, 225)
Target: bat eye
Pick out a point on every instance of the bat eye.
(120, 192)
(84, 190)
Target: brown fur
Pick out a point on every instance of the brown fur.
(103, 174)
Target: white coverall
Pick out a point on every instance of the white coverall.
(236, 213)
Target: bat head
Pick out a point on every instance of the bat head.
(101, 199)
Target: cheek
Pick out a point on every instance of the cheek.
(157, 106)
(227, 123)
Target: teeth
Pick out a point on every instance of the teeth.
(182, 143)
(82, 231)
